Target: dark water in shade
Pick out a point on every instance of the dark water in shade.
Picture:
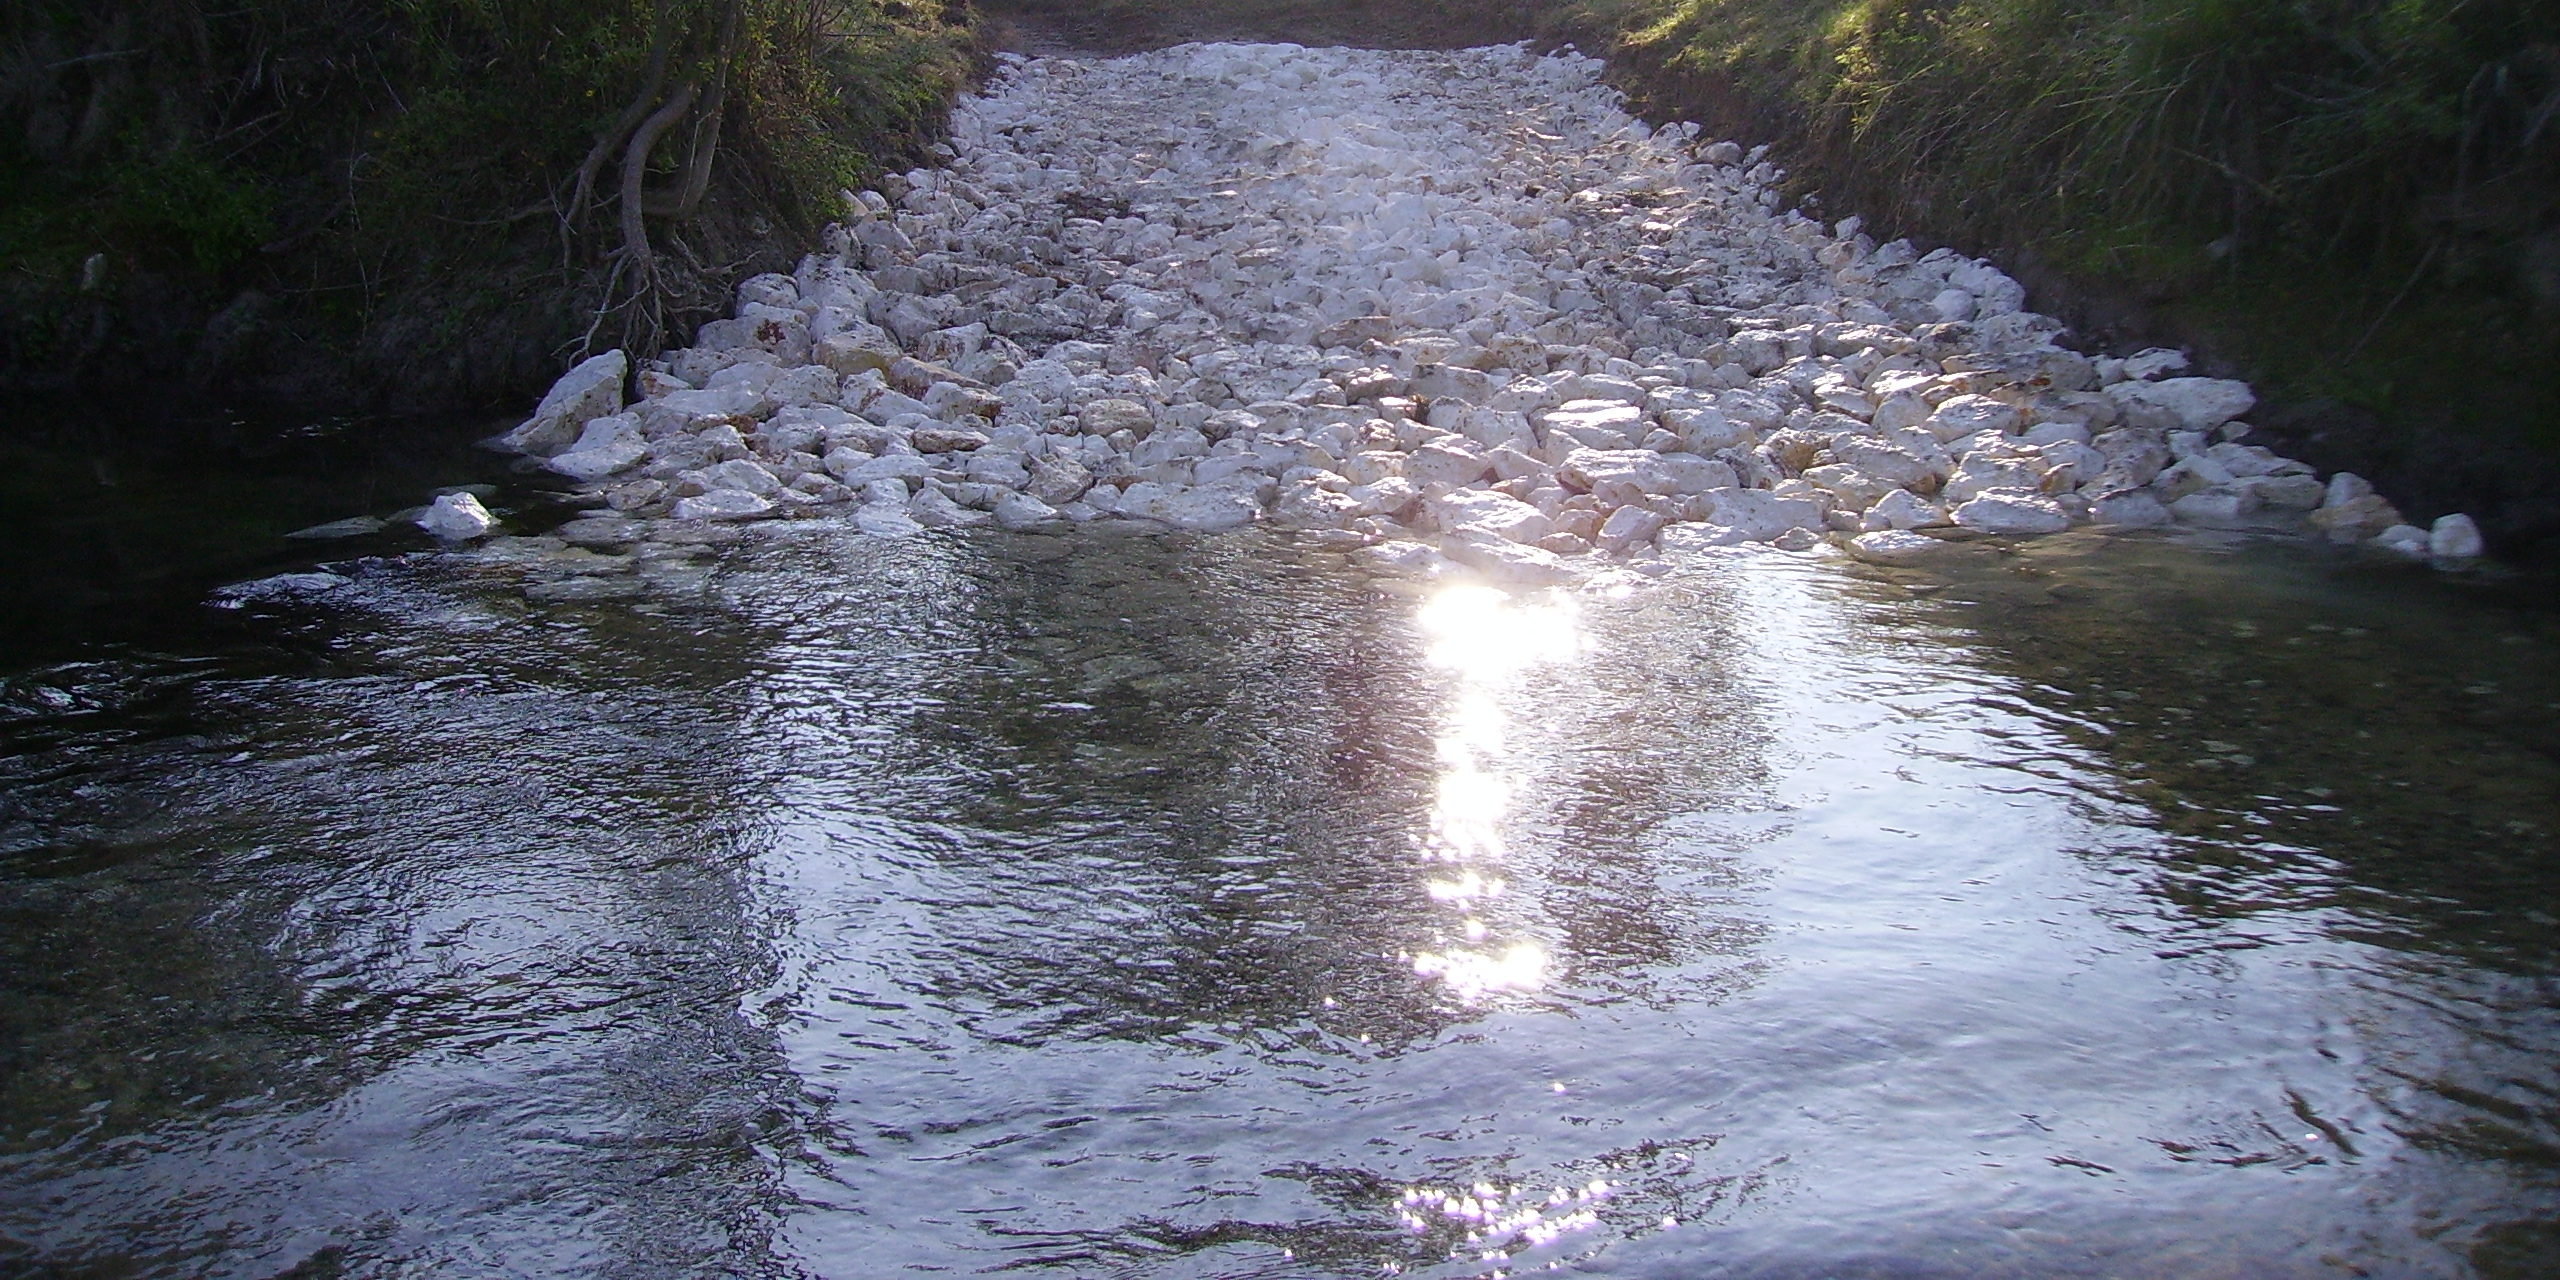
(1123, 906)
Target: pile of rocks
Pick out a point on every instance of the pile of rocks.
(1457, 306)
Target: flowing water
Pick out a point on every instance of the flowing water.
(1117, 905)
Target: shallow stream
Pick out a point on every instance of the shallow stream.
(1107, 904)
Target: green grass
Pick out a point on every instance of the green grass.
(2339, 191)
(397, 176)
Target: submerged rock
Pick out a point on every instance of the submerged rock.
(282, 586)
(351, 527)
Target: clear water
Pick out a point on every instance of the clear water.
(1126, 906)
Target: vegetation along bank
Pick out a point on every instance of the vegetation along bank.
(2353, 203)
(343, 205)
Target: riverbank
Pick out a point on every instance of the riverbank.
(253, 277)
(2353, 209)
(1200, 288)
(2394, 311)
(304, 209)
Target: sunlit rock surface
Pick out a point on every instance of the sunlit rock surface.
(1458, 299)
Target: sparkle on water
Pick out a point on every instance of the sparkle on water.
(1119, 906)
(1491, 643)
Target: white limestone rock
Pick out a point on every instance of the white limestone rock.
(2216, 507)
(457, 517)
(1912, 465)
(2403, 539)
(934, 509)
(1965, 415)
(2012, 511)
(1057, 480)
(1496, 514)
(591, 390)
(1447, 462)
(2182, 404)
(1751, 515)
(1022, 511)
(1905, 510)
(2357, 519)
(723, 505)
(1107, 417)
(1594, 424)
(2128, 509)
(1633, 526)
(1507, 561)
(2345, 487)
(1208, 509)
(1893, 546)
(2455, 537)
(1406, 559)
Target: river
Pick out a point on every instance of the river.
(1104, 903)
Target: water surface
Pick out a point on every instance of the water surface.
(1139, 906)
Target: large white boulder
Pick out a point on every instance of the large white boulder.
(1961, 416)
(2013, 511)
(2182, 404)
(1904, 510)
(1753, 515)
(2128, 509)
(2455, 537)
(1211, 508)
(457, 517)
(2356, 519)
(1620, 476)
(592, 464)
(1629, 527)
(1022, 511)
(604, 447)
(1508, 561)
(1104, 417)
(1451, 462)
(1594, 424)
(591, 390)
(1497, 514)
(723, 504)
(1058, 481)
(1893, 546)
(1892, 461)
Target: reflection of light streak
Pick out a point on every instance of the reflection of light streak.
(1467, 887)
(1482, 633)
(1487, 638)
(1475, 974)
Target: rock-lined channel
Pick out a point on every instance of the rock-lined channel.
(690, 897)
(1459, 306)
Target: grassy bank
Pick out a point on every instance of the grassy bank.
(433, 201)
(2355, 203)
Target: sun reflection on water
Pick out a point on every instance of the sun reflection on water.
(1490, 1223)
(1490, 641)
